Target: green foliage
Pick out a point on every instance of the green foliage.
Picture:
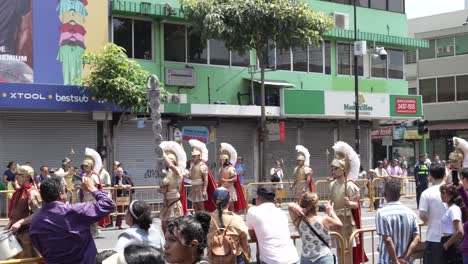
(116, 79)
(249, 24)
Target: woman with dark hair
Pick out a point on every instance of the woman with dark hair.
(186, 239)
(9, 176)
(451, 224)
(314, 229)
(137, 254)
(235, 226)
(141, 231)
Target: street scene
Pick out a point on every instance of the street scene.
(234, 131)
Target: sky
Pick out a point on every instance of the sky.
(420, 8)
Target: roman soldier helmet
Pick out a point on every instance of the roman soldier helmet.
(303, 154)
(175, 152)
(92, 159)
(346, 160)
(459, 157)
(228, 152)
(199, 148)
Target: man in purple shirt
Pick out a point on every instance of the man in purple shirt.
(60, 231)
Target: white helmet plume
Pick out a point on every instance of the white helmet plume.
(461, 144)
(89, 152)
(194, 143)
(178, 150)
(351, 158)
(232, 152)
(301, 149)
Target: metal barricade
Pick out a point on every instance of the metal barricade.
(371, 230)
(5, 196)
(27, 260)
(408, 188)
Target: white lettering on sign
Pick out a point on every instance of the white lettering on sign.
(406, 106)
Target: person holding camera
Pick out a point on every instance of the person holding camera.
(277, 175)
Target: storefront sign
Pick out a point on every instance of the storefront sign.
(195, 132)
(405, 106)
(370, 105)
(382, 132)
(49, 97)
(398, 133)
(413, 135)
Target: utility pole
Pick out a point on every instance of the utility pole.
(356, 86)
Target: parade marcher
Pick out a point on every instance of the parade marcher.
(229, 178)
(91, 164)
(25, 202)
(202, 180)
(61, 231)
(421, 176)
(344, 194)
(123, 184)
(303, 174)
(171, 187)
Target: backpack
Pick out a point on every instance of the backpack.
(275, 177)
(222, 248)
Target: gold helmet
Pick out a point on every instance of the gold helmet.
(303, 154)
(92, 159)
(199, 148)
(228, 152)
(175, 153)
(459, 157)
(346, 160)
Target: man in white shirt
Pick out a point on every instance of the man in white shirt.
(269, 225)
(431, 210)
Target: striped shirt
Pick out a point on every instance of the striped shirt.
(400, 223)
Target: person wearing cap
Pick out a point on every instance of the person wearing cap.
(235, 225)
(421, 176)
(303, 179)
(269, 226)
(25, 202)
(61, 231)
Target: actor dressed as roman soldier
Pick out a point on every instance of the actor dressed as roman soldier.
(25, 201)
(458, 159)
(91, 165)
(203, 184)
(175, 160)
(344, 195)
(229, 178)
(303, 179)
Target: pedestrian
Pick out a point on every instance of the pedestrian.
(124, 186)
(137, 254)
(269, 226)
(236, 230)
(462, 189)
(314, 229)
(362, 173)
(9, 176)
(451, 224)
(186, 239)
(436, 161)
(25, 202)
(394, 170)
(431, 210)
(382, 174)
(277, 175)
(421, 172)
(397, 226)
(142, 230)
(43, 174)
(61, 231)
(240, 167)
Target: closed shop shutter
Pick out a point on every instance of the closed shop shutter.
(317, 137)
(45, 139)
(134, 148)
(347, 135)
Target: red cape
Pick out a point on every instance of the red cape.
(311, 183)
(212, 185)
(240, 204)
(183, 198)
(358, 251)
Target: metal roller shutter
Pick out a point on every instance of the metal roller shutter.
(317, 137)
(134, 148)
(46, 138)
(347, 135)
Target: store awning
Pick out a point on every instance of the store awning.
(449, 126)
(278, 84)
(409, 43)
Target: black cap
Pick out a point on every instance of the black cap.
(266, 193)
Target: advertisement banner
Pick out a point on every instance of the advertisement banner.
(49, 97)
(382, 132)
(195, 132)
(370, 105)
(405, 106)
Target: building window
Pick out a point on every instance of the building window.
(174, 42)
(219, 54)
(300, 59)
(427, 88)
(428, 53)
(412, 91)
(379, 67)
(395, 64)
(327, 57)
(388, 5)
(135, 36)
(445, 47)
(196, 49)
(363, 3)
(379, 4)
(316, 59)
(344, 58)
(396, 6)
(410, 56)
(462, 87)
(283, 59)
(446, 89)
(461, 44)
(240, 60)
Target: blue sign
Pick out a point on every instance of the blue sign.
(49, 97)
(398, 133)
(195, 132)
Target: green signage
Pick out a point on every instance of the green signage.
(304, 102)
(405, 106)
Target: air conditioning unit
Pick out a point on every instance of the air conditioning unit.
(177, 98)
(341, 20)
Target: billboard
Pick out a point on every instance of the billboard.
(42, 41)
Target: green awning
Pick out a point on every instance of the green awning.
(409, 43)
(146, 9)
